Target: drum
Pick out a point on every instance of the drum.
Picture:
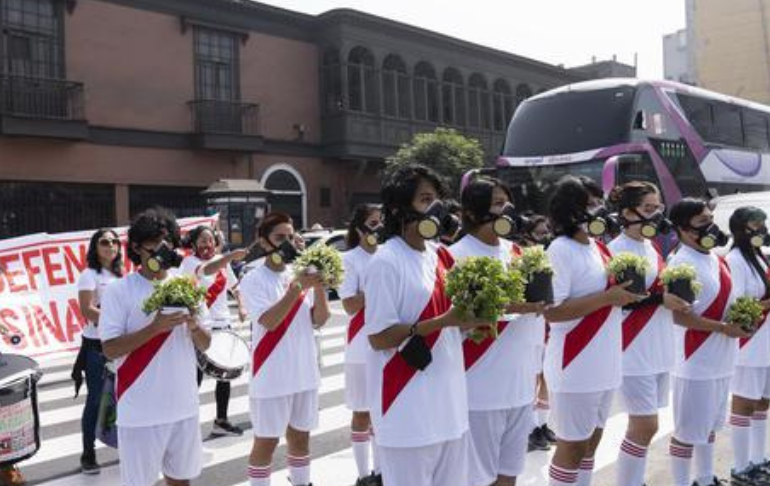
(19, 418)
(226, 358)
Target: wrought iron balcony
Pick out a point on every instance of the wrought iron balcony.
(226, 125)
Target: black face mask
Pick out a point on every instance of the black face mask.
(163, 258)
(759, 238)
(710, 236)
(286, 252)
(508, 222)
(599, 222)
(435, 221)
(372, 235)
(653, 226)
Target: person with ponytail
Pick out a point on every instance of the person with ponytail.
(362, 240)
(705, 345)
(583, 355)
(751, 382)
(648, 334)
(500, 371)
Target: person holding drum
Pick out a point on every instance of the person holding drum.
(156, 390)
(105, 265)
(362, 239)
(284, 310)
(216, 275)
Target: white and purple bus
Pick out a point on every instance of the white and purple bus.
(688, 141)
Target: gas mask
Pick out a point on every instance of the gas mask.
(759, 238)
(163, 258)
(372, 236)
(710, 236)
(436, 221)
(598, 221)
(508, 222)
(286, 252)
(651, 227)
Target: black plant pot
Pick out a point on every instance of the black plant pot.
(682, 288)
(539, 288)
(637, 281)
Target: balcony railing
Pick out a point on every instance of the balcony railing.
(225, 117)
(41, 98)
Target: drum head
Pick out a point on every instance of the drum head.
(15, 366)
(228, 350)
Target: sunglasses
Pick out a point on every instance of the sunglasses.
(109, 241)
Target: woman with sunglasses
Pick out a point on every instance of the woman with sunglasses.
(105, 265)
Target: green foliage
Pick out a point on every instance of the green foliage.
(179, 291)
(324, 259)
(533, 260)
(685, 271)
(746, 312)
(625, 261)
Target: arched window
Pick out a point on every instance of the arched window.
(287, 192)
(523, 91)
(332, 79)
(479, 101)
(362, 88)
(453, 97)
(502, 104)
(395, 87)
(425, 92)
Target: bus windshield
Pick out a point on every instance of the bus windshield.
(569, 122)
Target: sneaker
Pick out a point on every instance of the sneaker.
(759, 474)
(11, 476)
(549, 434)
(224, 427)
(88, 464)
(370, 480)
(743, 478)
(376, 479)
(537, 441)
(714, 482)
(763, 467)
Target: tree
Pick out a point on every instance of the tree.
(446, 151)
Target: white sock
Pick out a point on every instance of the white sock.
(704, 461)
(299, 470)
(558, 476)
(681, 457)
(360, 442)
(259, 475)
(586, 471)
(741, 436)
(631, 464)
(541, 412)
(758, 437)
(375, 454)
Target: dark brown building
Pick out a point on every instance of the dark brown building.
(109, 106)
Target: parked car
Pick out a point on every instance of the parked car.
(330, 236)
(724, 206)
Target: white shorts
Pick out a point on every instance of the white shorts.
(750, 382)
(434, 465)
(645, 395)
(700, 408)
(355, 387)
(271, 416)
(539, 357)
(171, 449)
(500, 439)
(575, 416)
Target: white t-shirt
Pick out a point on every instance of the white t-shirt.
(754, 351)
(651, 351)
(503, 376)
(432, 407)
(219, 311)
(292, 365)
(576, 362)
(166, 391)
(715, 357)
(355, 262)
(96, 282)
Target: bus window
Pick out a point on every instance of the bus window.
(727, 125)
(698, 112)
(651, 119)
(682, 165)
(635, 167)
(755, 126)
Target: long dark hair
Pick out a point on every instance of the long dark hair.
(739, 227)
(116, 266)
(399, 190)
(477, 200)
(683, 211)
(360, 214)
(570, 201)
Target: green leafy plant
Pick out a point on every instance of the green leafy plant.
(483, 288)
(323, 259)
(179, 291)
(746, 312)
(626, 261)
(685, 272)
(533, 260)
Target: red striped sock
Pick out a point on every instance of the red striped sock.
(259, 475)
(299, 469)
(559, 476)
(681, 457)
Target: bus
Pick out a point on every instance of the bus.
(688, 141)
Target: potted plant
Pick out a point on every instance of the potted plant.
(322, 259)
(746, 312)
(482, 288)
(680, 281)
(629, 267)
(538, 272)
(176, 294)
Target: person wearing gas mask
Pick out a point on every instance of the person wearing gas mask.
(215, 274)
(362, 239)
(583, 354)
(283, 392)
(157, 394)
(705, 345)
(415, 374)
(750, 385)
(453, 230)
(500, 372)
(648, 334)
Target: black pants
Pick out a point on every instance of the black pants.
(222, 395)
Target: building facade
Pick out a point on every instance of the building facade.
(111, 106)
(676, 58)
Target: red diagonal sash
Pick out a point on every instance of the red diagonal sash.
(744, 341)
(638, 318)
(356, 324)
(694, 338)
(473, 351)
(137, 361)
(216, 288)
(270, 340)
(578, 338)
(397, 373)
(515, 250)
